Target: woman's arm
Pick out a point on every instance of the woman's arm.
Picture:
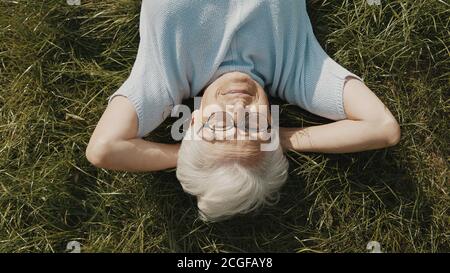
(114, 144)
(369, 125)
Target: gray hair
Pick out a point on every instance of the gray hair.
(230, 177)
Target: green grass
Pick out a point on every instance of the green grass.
(59, 63)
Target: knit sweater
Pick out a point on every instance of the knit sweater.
(186, 44)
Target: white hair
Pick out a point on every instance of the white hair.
(230, 177)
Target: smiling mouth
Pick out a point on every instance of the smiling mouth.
(236, 92)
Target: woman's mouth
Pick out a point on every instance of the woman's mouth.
(238, 92)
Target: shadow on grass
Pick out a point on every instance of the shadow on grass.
(325, 199)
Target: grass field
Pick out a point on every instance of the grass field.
(58, 64)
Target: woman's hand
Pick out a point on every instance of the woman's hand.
(369, 125)
(114, 144)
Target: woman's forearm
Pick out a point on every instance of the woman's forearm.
(343, 136)
(135, 155)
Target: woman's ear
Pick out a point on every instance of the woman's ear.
(193, 117)
(192, 120)
(196, 120)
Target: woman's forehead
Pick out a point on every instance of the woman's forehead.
(235, 149)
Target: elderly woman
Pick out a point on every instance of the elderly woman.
(233, 53)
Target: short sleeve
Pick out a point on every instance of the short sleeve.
(146, 87)
(324, 82)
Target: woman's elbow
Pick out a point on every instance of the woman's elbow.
(391, 132)
(97, 153)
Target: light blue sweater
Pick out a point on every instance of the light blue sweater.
(187, 44)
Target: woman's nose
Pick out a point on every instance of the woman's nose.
(238, 111)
